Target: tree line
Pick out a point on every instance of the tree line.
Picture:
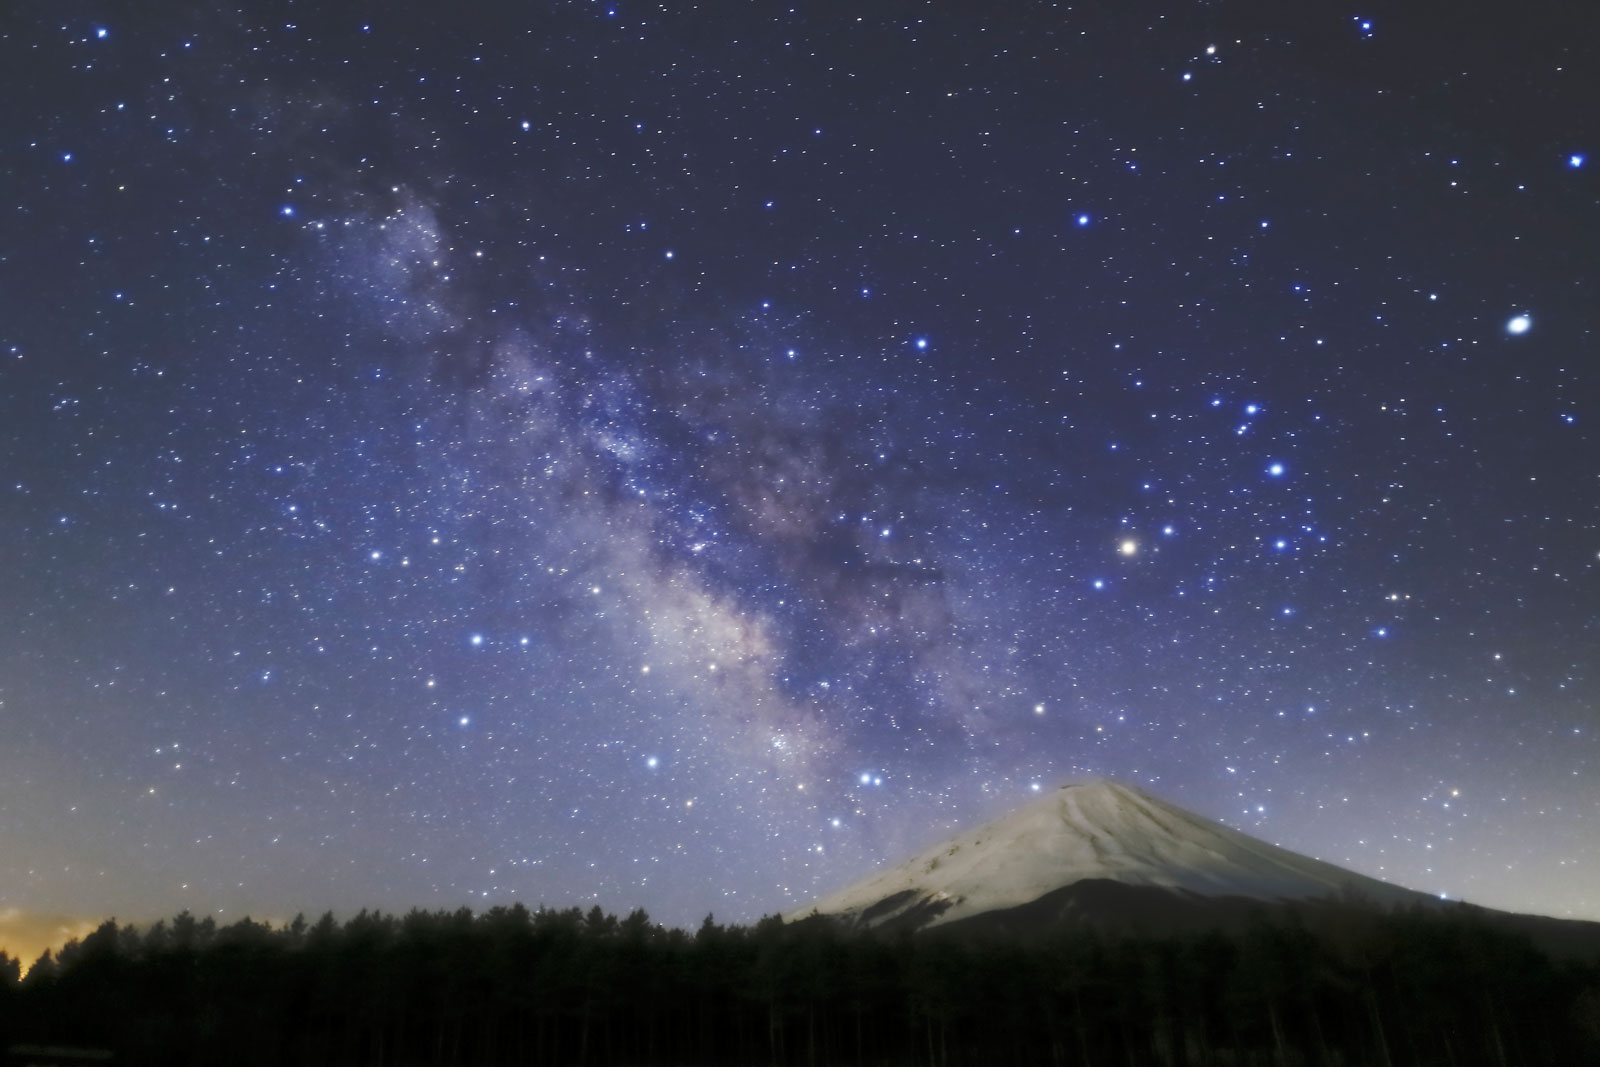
(568, 987)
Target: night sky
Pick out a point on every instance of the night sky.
(686, 457)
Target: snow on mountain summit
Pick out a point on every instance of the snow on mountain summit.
(1097, 830)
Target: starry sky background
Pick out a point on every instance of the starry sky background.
(688, 457)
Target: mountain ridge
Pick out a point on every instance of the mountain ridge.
(1100, 831)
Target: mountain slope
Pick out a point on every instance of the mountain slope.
(1092, 834)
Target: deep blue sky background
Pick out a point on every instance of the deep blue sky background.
(686, 458)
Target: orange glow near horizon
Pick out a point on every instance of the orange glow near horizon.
(25, 937)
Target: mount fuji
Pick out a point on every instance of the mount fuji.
(1098, 852)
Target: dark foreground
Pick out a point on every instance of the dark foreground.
(561, 987)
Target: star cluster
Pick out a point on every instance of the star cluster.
(684, 458)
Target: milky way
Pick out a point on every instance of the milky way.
(685, 459)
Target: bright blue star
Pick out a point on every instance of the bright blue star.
(1519, 324)
(1575, 160)
(100, 32)
(1276, 470)
(286, 210)
(1084, 220)
(922, 343)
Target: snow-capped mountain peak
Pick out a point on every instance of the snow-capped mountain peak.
(1099, 830)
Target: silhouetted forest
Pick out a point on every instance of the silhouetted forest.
(556, 987)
